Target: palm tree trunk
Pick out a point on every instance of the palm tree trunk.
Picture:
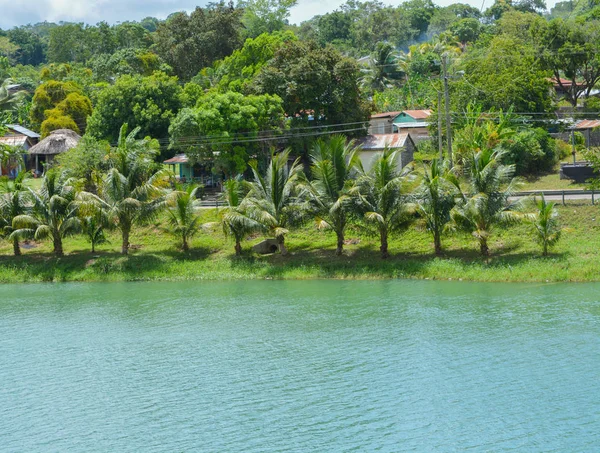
(185, 247)
(238, 247)
(483, 247)
(437, 243)
(340, 243)
(58, 246)
(383, 234)
(125, 244)
(16, 248)
(545, 252)
(93, 247)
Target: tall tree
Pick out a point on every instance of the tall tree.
(131, 191)
(571, 49)
(380, 196)
(272, 200)
(54, 213)
(435, 198)
(334, 163)
(191, 42)
(265, 16)
(492, 184)
(234, 219)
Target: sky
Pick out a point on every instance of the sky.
(21, 12)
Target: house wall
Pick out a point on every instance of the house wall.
(404, 118)
(416, 133)
(367, 157)
(380, 126)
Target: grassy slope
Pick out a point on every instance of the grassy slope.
(155, 256)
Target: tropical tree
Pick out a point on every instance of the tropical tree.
(93, 226)
(131, 192)
(546, 226)
(435, 197)
(491, 185)
(381, 71)
(334, 163)
(271, 201)
(380, 196)
(182, 213)
(14, 202)
(54, 213)
(11, 158)
(234, 219)
(8, 100)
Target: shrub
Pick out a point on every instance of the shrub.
(531, 151)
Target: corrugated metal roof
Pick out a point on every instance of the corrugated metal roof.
(410, 125)
(177, 159)
(14, 140)
(418, 114)
(380, 141)
(385, 115)
(587, 124)
(23, 130)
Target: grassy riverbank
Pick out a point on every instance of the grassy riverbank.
(154, 256)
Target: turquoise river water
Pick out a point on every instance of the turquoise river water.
(300, 366)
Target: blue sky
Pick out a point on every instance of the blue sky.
(20, 12)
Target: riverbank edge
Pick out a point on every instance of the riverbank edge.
(135, 269)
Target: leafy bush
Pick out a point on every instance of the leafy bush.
(531, 151)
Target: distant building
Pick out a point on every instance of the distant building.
(406, 121)
(58, 142)
(374, 144)
(590, 130)
(18, 137)
(186, 172)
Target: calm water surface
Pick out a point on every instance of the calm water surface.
(317, 366)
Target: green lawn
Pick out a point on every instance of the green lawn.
(155, 256)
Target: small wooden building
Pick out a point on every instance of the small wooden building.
(18, 137)
(186, 172)
(54, 144)
(374, 144)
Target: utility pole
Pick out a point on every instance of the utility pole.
(439, 118)
(447, 102)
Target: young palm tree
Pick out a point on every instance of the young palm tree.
(131, 192)
(271, 201)
(546, 226)
(54, 213)
(435, 198)
(491, 184)
(380, 196)
(182, 210)
(234, 220)
(13, 203)
(334, 162)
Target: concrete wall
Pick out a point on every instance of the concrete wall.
(406, 157)
(380, 126)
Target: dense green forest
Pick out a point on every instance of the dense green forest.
(228, 78)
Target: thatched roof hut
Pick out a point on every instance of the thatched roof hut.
(57, 142)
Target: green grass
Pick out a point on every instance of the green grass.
(155, 256)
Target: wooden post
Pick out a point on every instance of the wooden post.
(447, 106)
(440, 140)
(563, 197)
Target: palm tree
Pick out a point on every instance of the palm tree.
(435, 198)
(183, 217)
(54, 213)
(491, 184)
(380, 196)
(8, 100)
(93, 226)
(334, 162)
(13, 203)
(546, 226)
(11, 157)
(131, 192)
(379, 74)
(234, 220)
(271, 201)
